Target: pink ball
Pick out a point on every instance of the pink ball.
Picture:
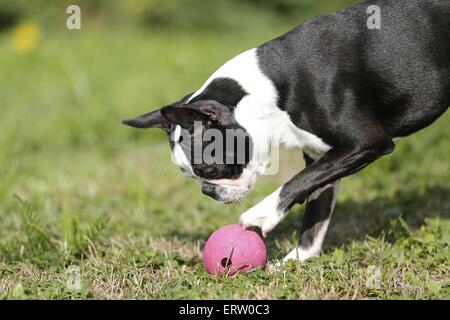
(231, 249)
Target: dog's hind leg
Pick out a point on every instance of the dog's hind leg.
(318, 211)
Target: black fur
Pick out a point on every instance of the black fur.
(358, 88)
(332, 71)
(224, 90)
(318, 210)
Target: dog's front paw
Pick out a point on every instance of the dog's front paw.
(264, 215)
(256, 217)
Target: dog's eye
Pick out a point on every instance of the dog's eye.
(210, 173)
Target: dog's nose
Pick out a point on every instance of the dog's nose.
(209, 189)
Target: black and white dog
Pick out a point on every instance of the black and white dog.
(333, 87)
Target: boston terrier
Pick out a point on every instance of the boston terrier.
(334, 87)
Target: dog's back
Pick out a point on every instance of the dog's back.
(401, 72)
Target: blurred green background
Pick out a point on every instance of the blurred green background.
(62, 149)
(129, 56)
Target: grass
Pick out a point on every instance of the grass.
(77, 189)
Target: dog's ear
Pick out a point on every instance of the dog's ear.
(208, 110)
(152, 119)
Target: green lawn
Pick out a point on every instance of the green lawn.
(78, 189)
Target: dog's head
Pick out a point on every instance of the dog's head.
(207, 143)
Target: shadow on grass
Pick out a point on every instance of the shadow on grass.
(354, 220)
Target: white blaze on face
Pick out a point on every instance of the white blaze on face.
(178, 155)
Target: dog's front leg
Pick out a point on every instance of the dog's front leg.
(333, 165)
(265, 215)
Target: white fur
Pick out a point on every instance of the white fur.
(236, 188)
(313, 251)
(178, 155)
(265, 214)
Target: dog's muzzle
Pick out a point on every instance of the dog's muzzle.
(209, 189)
